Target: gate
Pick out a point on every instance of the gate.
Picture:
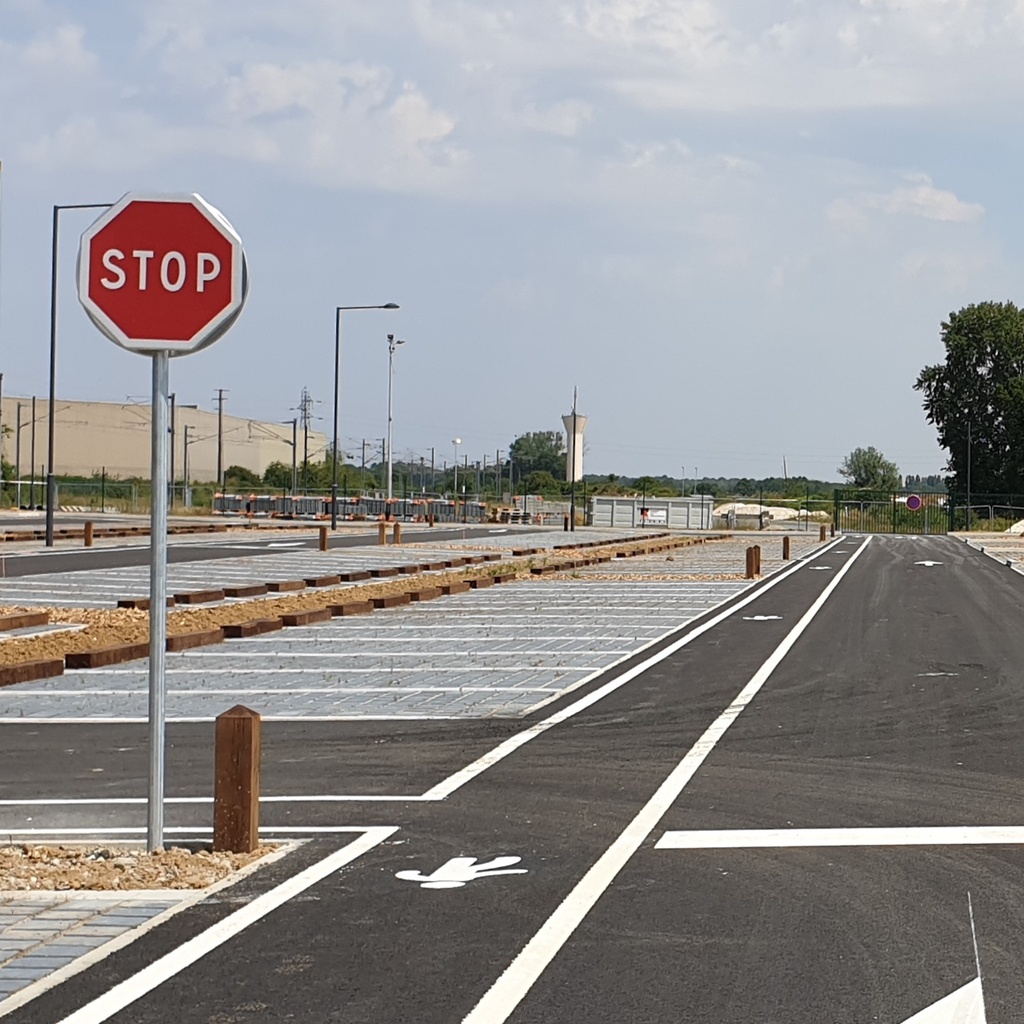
(859, 511)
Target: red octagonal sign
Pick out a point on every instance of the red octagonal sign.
(162, 273)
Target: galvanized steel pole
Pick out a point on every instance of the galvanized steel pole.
(157, 603)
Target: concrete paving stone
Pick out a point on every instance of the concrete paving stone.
(97, 930)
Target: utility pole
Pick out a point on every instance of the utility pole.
(17, 449)
(184, 469)
(220, 438)
(498, 475)
(433, 477)
(305, 414)
(362, 470)
(32, 458)
(170, 430)
(295, 455)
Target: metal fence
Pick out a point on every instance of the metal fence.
(858, 511)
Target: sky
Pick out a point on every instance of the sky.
(735, 226)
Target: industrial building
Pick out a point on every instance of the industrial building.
(92, 437)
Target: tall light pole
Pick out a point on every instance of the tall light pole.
(51, 481)
(338, 310)
(393, 343)
(456, 441)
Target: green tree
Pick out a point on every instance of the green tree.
(542, 482)
(277, 474)
(539, 451)
(868, 467)
(975, 398)
(238, 476)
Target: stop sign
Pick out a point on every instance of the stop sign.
(162, 273)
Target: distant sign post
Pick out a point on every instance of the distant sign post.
(162, 275)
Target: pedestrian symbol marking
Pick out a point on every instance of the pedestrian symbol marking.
(461, 870)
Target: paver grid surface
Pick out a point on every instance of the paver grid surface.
(41, 933)
(102, 588)
(500, 652)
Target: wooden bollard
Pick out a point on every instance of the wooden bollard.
(382, 532)
(323, 538)
(785, 549)
(749, 574)
(87, 535)
(822, 535)
(396, 534)
(832, 528)
(757, 559)
(430, 519)
(236, 783)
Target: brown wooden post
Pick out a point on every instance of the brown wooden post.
(323, 538)
(749, 573)
(430, 519)
(757, 559)
(87, 534)
(382, 532)
(396, 536)
(832, 528)
(822, 535)
(785, 549)
(236, 784)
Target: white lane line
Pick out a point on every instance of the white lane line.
(764, 838)
(135, 987)
(126, 801)
(186, 830)
(456, 781)
(501, 1000)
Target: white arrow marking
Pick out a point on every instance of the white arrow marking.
(929, 564)
(760, 618)
(964, 1006)
(460, 870)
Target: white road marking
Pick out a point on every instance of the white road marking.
(964, 1006)
(135, 987)
(764, 838)
(928, 564)
(502, 750)
(761, 618)
(501, 1000)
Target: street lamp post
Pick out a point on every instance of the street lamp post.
(338, 310)
(51, 481)
(455, 485)
(393, 343)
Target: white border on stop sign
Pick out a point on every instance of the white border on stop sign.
(215, 328)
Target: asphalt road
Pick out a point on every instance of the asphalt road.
(230, 546)
(882, 695)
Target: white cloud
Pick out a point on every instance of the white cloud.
(923, 199)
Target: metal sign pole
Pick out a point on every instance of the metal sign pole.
(158, 603)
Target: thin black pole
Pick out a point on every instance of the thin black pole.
(51, 482)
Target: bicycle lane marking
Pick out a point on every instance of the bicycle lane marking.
(508, 991)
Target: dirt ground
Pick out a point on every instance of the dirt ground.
(115, 869)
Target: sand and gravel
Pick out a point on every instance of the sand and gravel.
(115, 869)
